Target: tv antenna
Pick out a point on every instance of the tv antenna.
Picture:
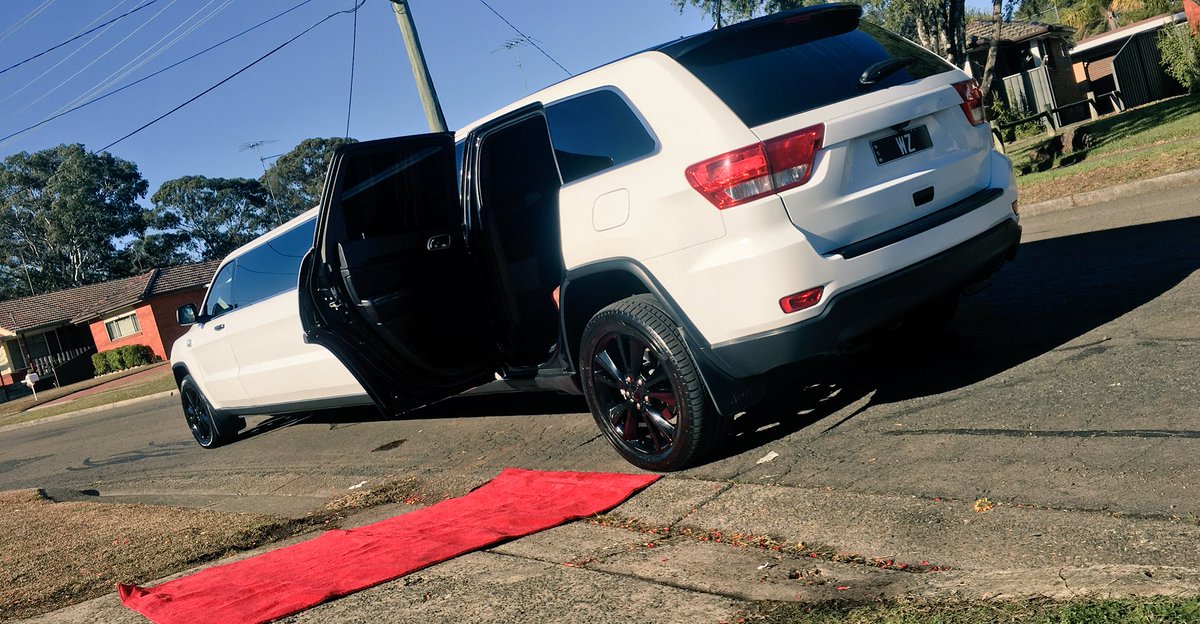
(515, 44)
(256, 146)
(262, 160)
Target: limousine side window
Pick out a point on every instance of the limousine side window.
(596, 131)
(273, 267)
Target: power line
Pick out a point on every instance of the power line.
(234, 74)
(25, 20)
(526, 37)
(150, 53)
(145, 78)
(95, 59)
(60, 62)
(53, 48)
(353, 53)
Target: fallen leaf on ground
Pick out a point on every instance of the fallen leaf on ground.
(766, 458)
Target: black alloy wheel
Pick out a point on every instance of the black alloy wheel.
(195, 411)
(643, 387)
(209, 429)
(636, 394)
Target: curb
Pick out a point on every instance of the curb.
(89, 410)
(1078, 200)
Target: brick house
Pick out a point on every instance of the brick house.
(50, 331)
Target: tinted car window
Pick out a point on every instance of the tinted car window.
(781, 69)
(385, 195)
(220, 294)
(272, 268)
(594, 132)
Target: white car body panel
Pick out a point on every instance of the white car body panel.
(255, 358)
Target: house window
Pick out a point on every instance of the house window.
(123, 326)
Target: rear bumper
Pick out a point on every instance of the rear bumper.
(852, 313)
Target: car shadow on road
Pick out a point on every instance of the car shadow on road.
(475, 405)
(1056, 290)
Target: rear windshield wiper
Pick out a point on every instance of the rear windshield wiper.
(883, 69)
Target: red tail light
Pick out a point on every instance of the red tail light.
(972, 101)
(750, 172)
(801, 300)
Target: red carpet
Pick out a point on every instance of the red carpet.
(288, 580)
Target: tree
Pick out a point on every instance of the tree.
(1180, 56)
(989, 67)
(295, 179)
(1091, 17)
(63, 210)
(938, 25)
(209, 217)
(151, 250)
(732, 11)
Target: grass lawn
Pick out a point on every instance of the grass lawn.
(18, 411)
(1146, 142)
(56, 554)
(1148, 610)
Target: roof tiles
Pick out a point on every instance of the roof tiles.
(84, 303)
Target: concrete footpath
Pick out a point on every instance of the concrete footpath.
(1130, 189)
(128, 380)
(703, 551)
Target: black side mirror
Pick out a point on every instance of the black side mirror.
(186, 314)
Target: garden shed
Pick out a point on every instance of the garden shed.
(1034, 65)
(1122, 67)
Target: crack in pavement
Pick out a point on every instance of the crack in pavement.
(626, 575)
(724, 488)
(1066, 584)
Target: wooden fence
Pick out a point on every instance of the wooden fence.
(1048, 117)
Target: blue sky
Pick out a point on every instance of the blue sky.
(300, 91)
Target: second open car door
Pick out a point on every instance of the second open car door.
(389, 286)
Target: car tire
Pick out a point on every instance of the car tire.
(653, 406)
(210, 429)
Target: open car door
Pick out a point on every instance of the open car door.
(388, 287)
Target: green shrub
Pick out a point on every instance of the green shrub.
(1004, 113)
(127, 357)
(114, 360)
(136, 355)
(100, 363)
(1181, 56)
(122, 358)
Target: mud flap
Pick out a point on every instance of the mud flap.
(729, 395)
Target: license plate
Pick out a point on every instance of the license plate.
(901, 144)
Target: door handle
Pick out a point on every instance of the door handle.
(219, 327)
(438, 243)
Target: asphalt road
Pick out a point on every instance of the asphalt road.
(1070, 383)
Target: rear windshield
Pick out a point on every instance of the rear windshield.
(776, 71)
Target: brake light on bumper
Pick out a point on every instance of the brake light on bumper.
(801, 300)
(750, 172)
(972, 105)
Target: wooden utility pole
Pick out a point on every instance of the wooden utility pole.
(429, 99)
